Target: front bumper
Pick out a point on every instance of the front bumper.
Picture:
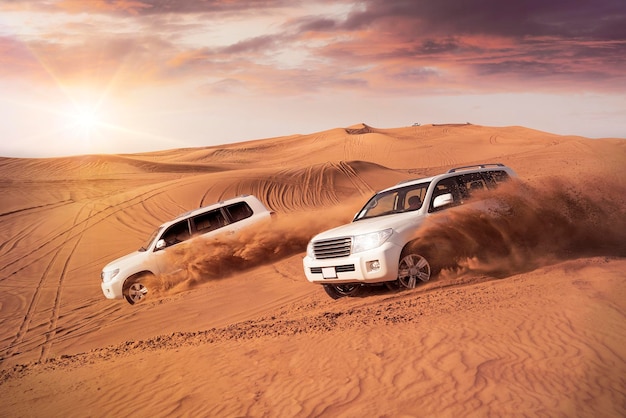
(373, 266)
(112, 289)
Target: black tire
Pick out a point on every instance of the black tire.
(337, 291)
(394, 286)
(135, 289)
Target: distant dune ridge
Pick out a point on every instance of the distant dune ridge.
(527, 318)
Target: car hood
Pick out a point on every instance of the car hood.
(134, 258)
(399, 222)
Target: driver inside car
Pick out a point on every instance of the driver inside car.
(414, 203)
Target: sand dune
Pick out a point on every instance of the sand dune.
(528, 319)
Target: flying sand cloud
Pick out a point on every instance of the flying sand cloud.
(532, 226)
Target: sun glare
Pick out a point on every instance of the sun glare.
(86, 118)
(83, 120)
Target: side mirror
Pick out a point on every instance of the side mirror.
(443, 200)
(159, 245)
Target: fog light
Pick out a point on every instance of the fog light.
(373, 265)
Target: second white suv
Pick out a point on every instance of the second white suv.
(375, 246)
(128, 276)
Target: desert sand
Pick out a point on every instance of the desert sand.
(530, 324)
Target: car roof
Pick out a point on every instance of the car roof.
(477, 168)
(204, 209)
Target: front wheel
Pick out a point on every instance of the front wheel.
(413, 267)
(135, 290)
(337, 291)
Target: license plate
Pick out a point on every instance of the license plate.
(329, 273)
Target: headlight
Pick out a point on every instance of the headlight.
(309, 249)
(107, 276)
(369, 241)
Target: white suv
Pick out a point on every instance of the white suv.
(128, 276)
(375, 246)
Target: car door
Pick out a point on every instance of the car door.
(452, 189)
(171, 236)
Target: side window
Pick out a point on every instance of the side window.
(209, 221)
(447, 186)
(497, 176)
(414, 198)
(239, 211)
(472, 183)
(176, 233)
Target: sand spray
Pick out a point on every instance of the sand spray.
(526, 227)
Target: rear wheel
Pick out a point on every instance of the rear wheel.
(135, 289)
(413, 269)
(337, 291)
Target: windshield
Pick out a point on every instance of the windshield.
(404, 199)
(151, 239)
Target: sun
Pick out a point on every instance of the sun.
(86, 118)
(83, 120)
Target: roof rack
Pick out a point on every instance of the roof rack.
(454, 170)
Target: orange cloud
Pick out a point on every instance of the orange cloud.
(392, 47)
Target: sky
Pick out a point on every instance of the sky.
(126, 76)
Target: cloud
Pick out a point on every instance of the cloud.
(98, 61)
(15, 58)
(601, 19)
(477, 42)
(148, 7)
(257, 44)
(394, 47)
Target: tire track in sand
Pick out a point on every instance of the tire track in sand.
(10, 242)
(57, 267)
(42, 303)
(23, 328)
(70, 249)
(100, 216)
(312, 186)
(359, 183)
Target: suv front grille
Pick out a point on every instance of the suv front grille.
(332, 248)
(338, 269)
